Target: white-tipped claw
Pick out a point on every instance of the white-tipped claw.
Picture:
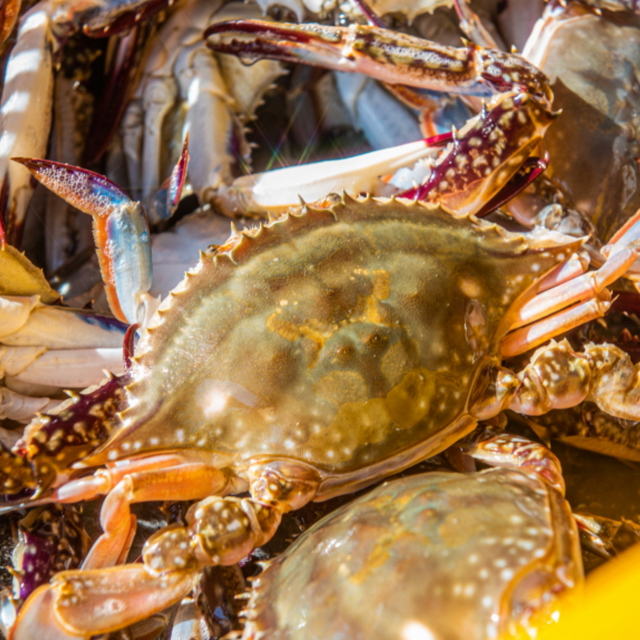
(283, 188)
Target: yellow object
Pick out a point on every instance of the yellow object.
(19, 277)
(609, 606)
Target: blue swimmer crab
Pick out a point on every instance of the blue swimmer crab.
(444, 556)
(437, 556)
(302, 359)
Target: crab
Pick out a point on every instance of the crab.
(441, 555)
(477, 556)
(300, 360)
(596, 133)
(184, 86)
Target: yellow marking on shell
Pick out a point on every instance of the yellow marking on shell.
(381, 287)
(320, 333)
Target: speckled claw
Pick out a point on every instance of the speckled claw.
(16, 473)
(384, 55)
(81, 604)
(42, 458)
(487, 153)
(51, 539)
(120, 229)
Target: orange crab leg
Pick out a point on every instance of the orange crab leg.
(581, 288)
(535, 334)
(574, 267)
(101, 601)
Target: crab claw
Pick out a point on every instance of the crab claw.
(395, 58)
(282, 188)
(120, 230)
(81, 604)
(167, 198)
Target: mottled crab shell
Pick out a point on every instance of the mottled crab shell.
(353, 338)
(437, 556)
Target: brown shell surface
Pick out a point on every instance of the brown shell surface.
(593, 64)
(443, 556)
(336, 337)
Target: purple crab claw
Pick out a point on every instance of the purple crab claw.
(395, 58)
(120, 230)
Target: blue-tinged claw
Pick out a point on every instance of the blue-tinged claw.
(167, 198)
(120, 230)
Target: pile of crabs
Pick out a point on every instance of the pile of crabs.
(378, 364)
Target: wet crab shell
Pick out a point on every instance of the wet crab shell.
(442, 556)
(354, 339)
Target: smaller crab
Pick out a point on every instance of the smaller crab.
(437, 555)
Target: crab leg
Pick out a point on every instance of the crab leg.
(221, 530)
(558, 378)
(99, 601)
(581, 288)
(120, 229)
(15, 406)
(499, 449)
(535, 334)
(391, 57)
(25, 115)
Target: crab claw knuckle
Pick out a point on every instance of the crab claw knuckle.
(556, 378)
(169, 550)
(228, 529)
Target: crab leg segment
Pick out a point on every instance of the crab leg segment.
(166, 200)
(390, 57)
(558, 378)
(81, 604)
(120, 230)
(509, 450)
(581, 288)
(220, 530)
(535, 334)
